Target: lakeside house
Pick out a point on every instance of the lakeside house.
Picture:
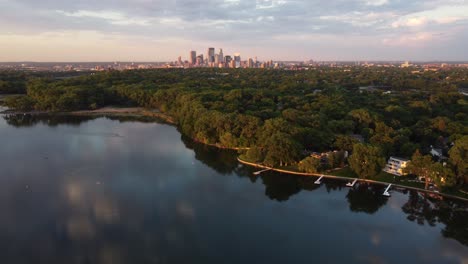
(463, 91)
(436, 152)
(396, 165)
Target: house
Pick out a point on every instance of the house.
(396, 165)
(435, 152)
(463, 91)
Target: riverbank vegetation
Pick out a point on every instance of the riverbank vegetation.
(283, 116)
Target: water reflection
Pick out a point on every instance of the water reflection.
(150, 197)
(223, 161)
(366, 198)
(423, 209)
(28, 120)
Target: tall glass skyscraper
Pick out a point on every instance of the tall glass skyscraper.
(193, 57)
(211, 55)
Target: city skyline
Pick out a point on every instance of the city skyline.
(154, 30)
(221, 60)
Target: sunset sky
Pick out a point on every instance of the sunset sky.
(161, 30)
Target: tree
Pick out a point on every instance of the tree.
(431, 171)
(382, 137)
(442, 175)
(343, 142)
(281, 149)
(20, 102)
(255, 155)
(361, 117)
(336, 159)
(459, 158)
(309, 165)
(366, 161)
(421, 166)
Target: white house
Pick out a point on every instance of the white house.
(396, 165)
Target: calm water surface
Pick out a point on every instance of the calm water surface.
(80, 190)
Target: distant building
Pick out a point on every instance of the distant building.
(211, 55)
(405, 65)
(221, 56)
(193, 57)
(200, 60)
(251, 63)
(396, 165)
(227, 61)
(237, 60)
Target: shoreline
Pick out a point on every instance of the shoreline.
(105, 111)
(142, 112)
(256, 165)
(120, 112)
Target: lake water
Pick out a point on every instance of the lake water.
(82, 190)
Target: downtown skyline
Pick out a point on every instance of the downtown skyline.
(220, 59)
(154, 30)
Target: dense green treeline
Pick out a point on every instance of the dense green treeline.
(281, 115)
(15, 82)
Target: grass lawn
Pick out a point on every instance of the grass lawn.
(386, 177)
(345, 172)
(412, 184)
(290, 168)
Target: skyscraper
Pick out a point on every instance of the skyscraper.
(211, 55)
(200, 60)
(251, 63)
(221, 56)
(237, 60)
(227, 61)
(193, 57)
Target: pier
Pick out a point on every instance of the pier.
(259, 172)
(319, 181)
(386, 193)
(351, 184)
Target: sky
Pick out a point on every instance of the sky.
(162, 30)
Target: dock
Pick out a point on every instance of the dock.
(319, 181)
(386, 193)
(259, 172)
(351, 184)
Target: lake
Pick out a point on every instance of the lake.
(109, 190)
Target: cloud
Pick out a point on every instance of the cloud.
(409, 39)
(376, 2)
(114, 18)
(439, 15)
(237, 23)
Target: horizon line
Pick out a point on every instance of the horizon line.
(310, 60)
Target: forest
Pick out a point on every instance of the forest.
(280, 117)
